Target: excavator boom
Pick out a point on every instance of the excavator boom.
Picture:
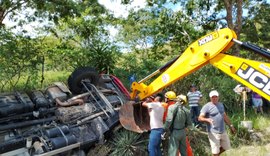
(211, 49)
(194, 57)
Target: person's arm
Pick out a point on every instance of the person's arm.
(202, 118)
(145, 104)
(147, 101)
(200, 94)
(169, 118)
(189, 122)
(228, 122)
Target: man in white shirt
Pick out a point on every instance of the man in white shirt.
(156, 111)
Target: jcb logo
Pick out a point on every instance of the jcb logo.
(254, 77)
(207, 39)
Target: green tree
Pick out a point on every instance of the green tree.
(256, 27)
(50, 9)
(85, 40)
(157, 32)
(19, 56)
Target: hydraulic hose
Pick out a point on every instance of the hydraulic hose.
(26, 123)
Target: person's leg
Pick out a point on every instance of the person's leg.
(182, 144)
(196, 114)
(221, 150)
(224, 142)
(193, 117)
(256, 104)
(158, 149)
(261, 109)
(261, 106)
(154, 142)
(255, 110)
(214, 140)
(173, 144)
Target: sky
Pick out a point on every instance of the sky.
(114, 6)
(120, 10)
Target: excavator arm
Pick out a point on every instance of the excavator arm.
(211, 49)
(197, 55)
(253, 74)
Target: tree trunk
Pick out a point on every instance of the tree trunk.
(237, 27)
(2, 12)
(229, 18)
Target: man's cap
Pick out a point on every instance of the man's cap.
(193, 85)
(213, 93)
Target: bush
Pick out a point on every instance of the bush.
(127, 143)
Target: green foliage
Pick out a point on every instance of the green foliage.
(128, 143)
(19, 56)
(49, 9)
(149, 30)
(242, 137)
(199, 143)
(87, 42)
(76, 42)
(256, 28)
(260, 122)
(129, 64)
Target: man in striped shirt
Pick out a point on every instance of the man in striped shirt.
(194, 97)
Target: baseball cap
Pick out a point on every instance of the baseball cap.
(193, 85)
(213, 93)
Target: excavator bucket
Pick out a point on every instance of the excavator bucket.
(134, 117)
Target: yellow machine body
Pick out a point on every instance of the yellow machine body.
(211, 49)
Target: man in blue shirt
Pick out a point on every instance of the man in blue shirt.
(213, 113)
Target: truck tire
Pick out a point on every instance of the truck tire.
(79, 74)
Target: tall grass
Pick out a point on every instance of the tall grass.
(30, 82)
(52, 76)
(246, 143)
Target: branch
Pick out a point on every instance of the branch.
(5, 12)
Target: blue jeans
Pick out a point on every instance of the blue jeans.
(155, 141)
(195, 112)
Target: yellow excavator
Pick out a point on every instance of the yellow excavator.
(211, 49)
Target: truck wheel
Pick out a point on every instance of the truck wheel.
(82, 73)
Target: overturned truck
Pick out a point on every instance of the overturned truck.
(61, 119)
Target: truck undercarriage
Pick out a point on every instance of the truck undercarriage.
(62, 118)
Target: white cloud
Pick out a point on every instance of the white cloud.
(115, 6)
(119, 9)
(32, 28)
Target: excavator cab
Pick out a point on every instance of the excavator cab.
(211, 49)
